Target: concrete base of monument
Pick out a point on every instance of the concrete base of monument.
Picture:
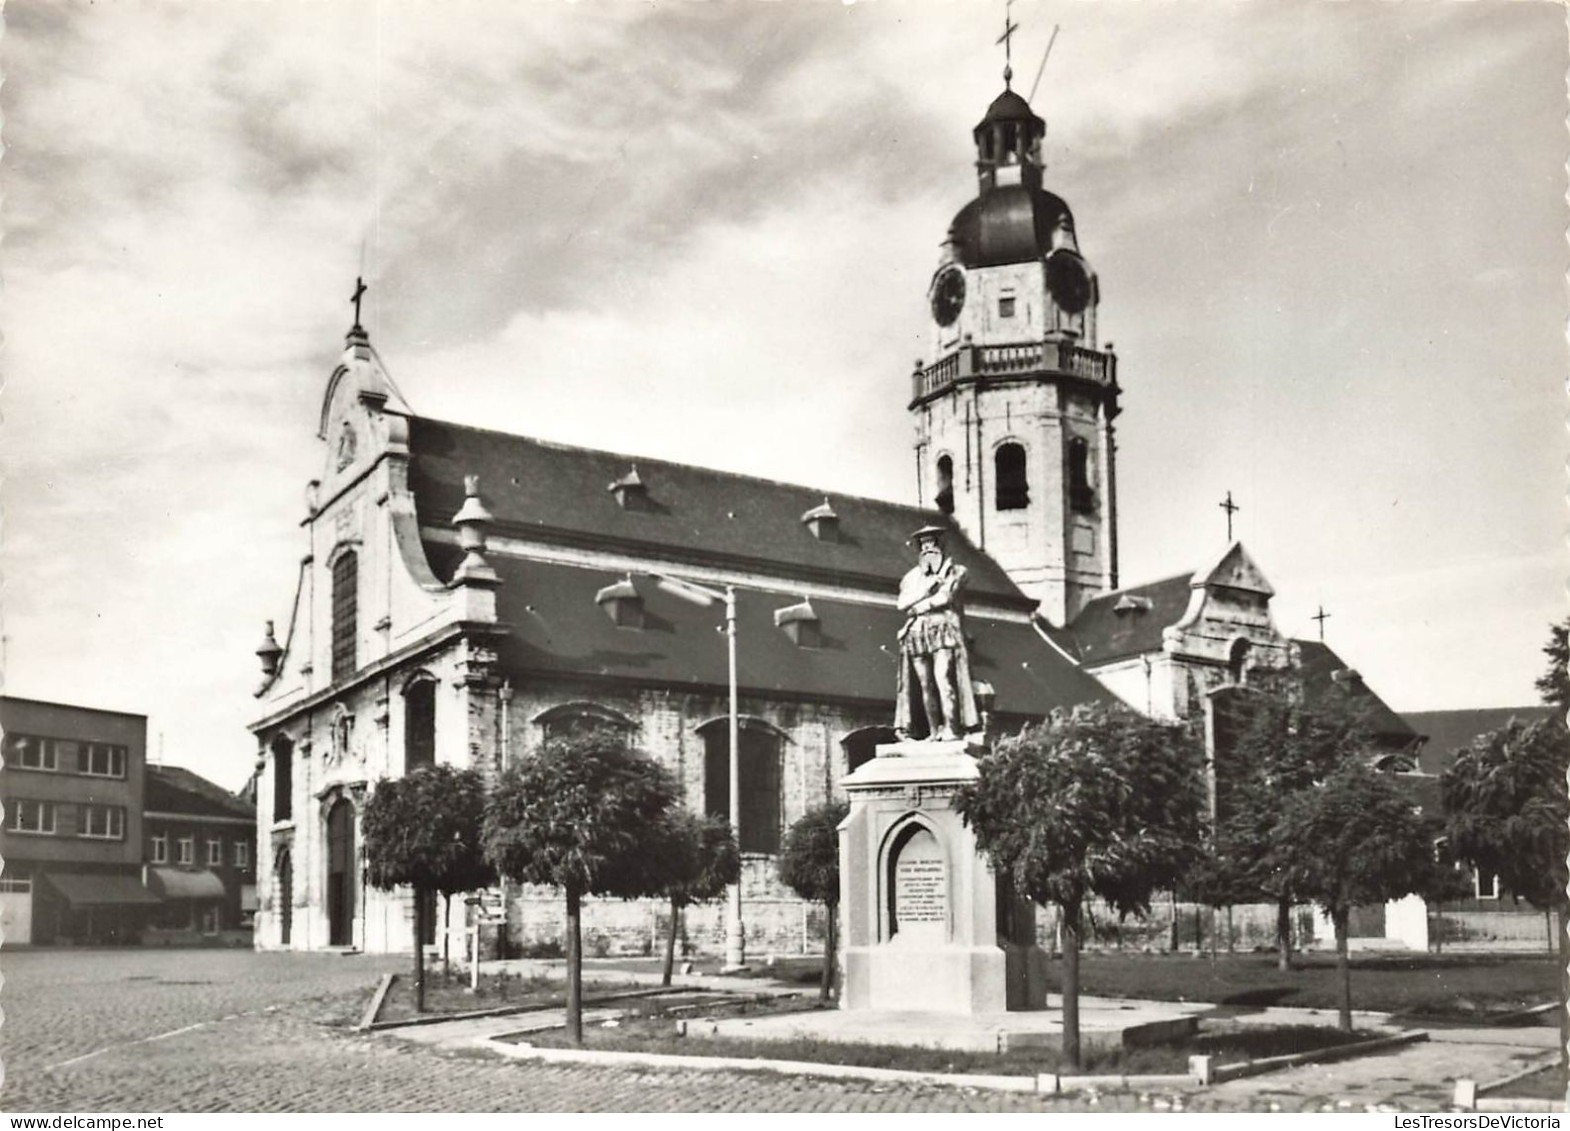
(945, 978)
(1103, 1023)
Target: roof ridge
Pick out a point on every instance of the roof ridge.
(558, 445)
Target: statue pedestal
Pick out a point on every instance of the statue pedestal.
(925, 924)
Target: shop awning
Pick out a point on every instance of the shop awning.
(179, 883)
(90, 889)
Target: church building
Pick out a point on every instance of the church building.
(463, 594)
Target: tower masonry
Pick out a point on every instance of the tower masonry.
(1014, 406)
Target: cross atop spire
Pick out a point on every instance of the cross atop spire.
(1007, 39)
(359, 292)
(1231, 508)
(1321, 617)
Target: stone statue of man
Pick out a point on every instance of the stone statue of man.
(934, 671)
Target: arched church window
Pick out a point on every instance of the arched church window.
(759, 753)
(1237, 660)
(1013, 488)
(346, 584)
(419, 724)
(945, 493)
(1081, 498)
(283, 778)
(568, 720)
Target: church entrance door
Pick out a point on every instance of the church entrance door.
(340, 874)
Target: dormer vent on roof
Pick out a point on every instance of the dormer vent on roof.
(801, 624)
(1347, 677)
(630, 491)
(1132, 603)
(823, 522)
(622, 603)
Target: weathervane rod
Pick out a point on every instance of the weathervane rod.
(1044, 56)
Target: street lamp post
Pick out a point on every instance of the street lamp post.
(693, 592)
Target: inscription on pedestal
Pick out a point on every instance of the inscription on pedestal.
(920, 885)
(920, 891)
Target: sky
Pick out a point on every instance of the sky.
(1330, 239)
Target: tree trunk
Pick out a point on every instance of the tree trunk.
(826, 985)
(1339, 917)
(419, 950)
(1213, 933)
(447, 938)
(1231, 934)
(574, 968)
(1070, 920)
(670, 942)
(1284, 933)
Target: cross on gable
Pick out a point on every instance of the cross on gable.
(1231, 508)
(359, 291)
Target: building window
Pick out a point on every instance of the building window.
(1487, 886)
(283, 779)
(945, 494)
(346, 582)
(103, 822)
(759, 763)
(103, 760)
(215, 853)
(32, 817)
(27, 752)
(161, 849)
(419, 724)
(1013, 490)
(1080, 496)
(187, 848)
(1006, 306)
(242, 854)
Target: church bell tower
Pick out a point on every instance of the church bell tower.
(1014, 405)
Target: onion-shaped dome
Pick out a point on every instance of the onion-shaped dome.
(1011, 224)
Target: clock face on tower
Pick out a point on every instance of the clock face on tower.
(948, 295)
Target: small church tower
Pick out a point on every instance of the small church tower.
(1014, 406)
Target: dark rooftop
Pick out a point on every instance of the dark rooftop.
(562, 494)
(175, 789)
(1128, 622)
(557, 628)
(1449, 732)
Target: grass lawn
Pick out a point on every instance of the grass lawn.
(653, 1031)
(1452, 987)
(495, 992)
(1548, 1084)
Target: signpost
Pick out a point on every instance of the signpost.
(488, 908)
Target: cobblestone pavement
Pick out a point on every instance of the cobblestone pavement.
(236, 1031)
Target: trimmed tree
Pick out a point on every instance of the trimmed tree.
(1507, 814)
(584, 815)
(697, 859)
(1100, 802)
(422, 831)
(1271, 746)
(810, 866)
(1353, 839)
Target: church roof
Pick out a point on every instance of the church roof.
(1449, 732)
(558, 628)
(1128, 622)
(563, 494)
(1324, 672)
